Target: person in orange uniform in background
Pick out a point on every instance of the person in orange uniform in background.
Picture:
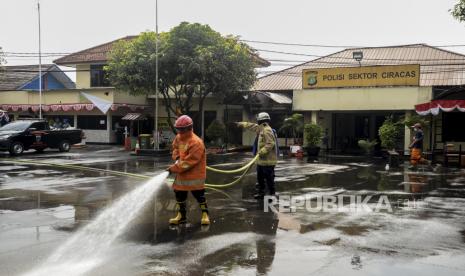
(190, 169)
(416, 147)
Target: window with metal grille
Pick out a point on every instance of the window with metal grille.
(98, 76)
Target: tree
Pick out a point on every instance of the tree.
(194, 60)
(459, 11)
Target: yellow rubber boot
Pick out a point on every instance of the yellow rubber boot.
(181, 214)
(205, 220)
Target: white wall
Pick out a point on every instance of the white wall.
(97, 136)
(345, 99)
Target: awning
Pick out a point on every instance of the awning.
(279, 98)
(275, 97)
(435, 106)
(133, 117)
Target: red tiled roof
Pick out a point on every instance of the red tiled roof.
(91, 55)
(99, 54)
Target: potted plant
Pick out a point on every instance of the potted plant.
(390, 133)
(313, 135)
(367, 146)
(216, 132)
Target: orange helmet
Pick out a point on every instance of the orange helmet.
(183, 122)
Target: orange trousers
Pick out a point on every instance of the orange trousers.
(416, 157)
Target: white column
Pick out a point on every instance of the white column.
(407, 135)
(315, 117)
(109, 124)
(75, 120)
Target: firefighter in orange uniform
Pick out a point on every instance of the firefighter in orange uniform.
(190, 169)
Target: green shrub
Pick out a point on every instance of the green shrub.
(411, 120)
(216, 131)
(313, 135)
(390, 132)
(367, 146)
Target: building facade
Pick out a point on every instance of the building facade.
(95, 110)
(90, 76)
(92, 104)
(352, 97)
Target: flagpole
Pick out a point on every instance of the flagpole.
(157, 136)
(40, 64)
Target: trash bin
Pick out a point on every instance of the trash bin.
(145, 141)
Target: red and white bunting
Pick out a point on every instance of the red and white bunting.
(55, 107)
(89, 107)
(66, 107)
(77, 107)
(435, 106)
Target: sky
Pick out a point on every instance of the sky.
(70, 26)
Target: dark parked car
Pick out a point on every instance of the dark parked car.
(22, 135)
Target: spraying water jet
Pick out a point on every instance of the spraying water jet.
(86, 249)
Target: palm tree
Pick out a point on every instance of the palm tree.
(293, 126)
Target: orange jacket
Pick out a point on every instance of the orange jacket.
(191, 168)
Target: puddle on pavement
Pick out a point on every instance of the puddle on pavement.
(42, 206)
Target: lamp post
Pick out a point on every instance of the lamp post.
(40, 64)
(358, 56)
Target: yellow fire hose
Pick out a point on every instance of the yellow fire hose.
(69, 166)
(245, 169)
(236, 170)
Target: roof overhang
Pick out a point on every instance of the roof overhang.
(133, 117)
(278, 98)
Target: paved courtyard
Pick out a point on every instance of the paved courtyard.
(41, 207)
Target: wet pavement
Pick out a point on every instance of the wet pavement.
(423, 233)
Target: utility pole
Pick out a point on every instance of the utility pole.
(157, 136)
(40, 64)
